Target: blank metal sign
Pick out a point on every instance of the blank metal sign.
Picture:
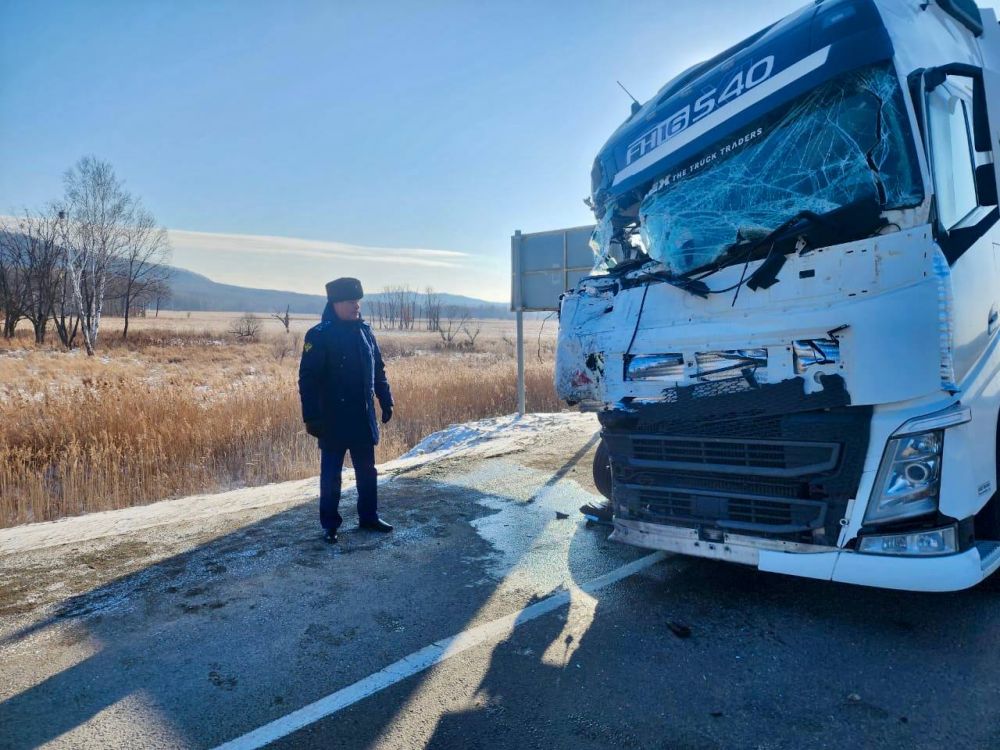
(546, 264)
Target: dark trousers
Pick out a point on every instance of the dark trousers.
(330, 466)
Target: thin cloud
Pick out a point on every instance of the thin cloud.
(301, 265)
(316, 249)
(295, 264)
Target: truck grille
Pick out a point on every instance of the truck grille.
(697, 482)
(786, 476)
(760, 457)
(776, 515)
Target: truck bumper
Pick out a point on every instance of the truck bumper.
(940, 573)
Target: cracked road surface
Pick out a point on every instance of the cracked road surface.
(195, 633)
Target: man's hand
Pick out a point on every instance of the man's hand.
(386, 414)
(315, 429)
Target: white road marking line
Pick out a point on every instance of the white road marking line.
(423, 659)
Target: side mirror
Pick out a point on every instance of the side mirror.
(986, 184)
(934, 77)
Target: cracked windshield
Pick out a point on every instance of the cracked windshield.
(846, 141)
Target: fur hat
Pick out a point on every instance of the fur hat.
(344, 289)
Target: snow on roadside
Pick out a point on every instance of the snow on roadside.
(488, 437)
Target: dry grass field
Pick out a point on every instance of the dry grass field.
(183, 407)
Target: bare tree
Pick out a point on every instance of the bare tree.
(390, 302)
(96, 213)
(432, 309)
(283, 318)
(32, 245)
(455, 319)
(64, 315)
(246, 327)
(408, 307)
(470, 334)
(13, 280)
(160, 292)
(30, 270)
(286, 345)
(142, 265)
(401, 306)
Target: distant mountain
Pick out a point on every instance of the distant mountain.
(192, 291)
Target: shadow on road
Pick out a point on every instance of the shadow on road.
(770, 661)
(267, 618)
(262, 621)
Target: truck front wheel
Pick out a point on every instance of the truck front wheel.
(988, 519)
(602, 470)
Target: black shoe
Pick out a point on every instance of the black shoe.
(377, 525)
(330, 536)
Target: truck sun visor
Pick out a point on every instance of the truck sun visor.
(846, 141)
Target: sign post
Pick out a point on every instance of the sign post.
(543, 266)
(515, 248)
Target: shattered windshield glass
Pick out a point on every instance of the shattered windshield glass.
(845, 141)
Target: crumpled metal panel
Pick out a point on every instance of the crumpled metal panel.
(848, 140)
(600, 243)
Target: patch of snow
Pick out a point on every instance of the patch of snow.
(500, 433)
(128, 520)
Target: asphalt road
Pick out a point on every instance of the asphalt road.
(195, 634)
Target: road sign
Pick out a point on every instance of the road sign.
(543, 266)
(546, 264)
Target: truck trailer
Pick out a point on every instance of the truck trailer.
(790, 335)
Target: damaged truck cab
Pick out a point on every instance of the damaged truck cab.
(790, 337)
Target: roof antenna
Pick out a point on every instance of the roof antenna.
(635, 102)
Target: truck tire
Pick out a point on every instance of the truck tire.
(602, 470)
(988, 519)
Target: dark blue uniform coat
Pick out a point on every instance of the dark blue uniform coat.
(340, 374)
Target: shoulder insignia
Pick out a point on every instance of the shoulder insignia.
(306, 347)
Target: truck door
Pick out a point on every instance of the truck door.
(959, 149)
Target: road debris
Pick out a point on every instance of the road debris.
(679, 629)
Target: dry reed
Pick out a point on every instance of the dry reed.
(176, 413)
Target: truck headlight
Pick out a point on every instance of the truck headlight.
(918, 543)
(908, 479)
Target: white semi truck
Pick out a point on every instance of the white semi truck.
(794, 359)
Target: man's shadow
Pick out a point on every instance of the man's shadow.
(194, 633)
(701, 654)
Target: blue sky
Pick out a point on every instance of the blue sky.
(280, 140)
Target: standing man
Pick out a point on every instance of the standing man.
(340, 375)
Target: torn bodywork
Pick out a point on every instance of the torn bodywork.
(774, 299)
